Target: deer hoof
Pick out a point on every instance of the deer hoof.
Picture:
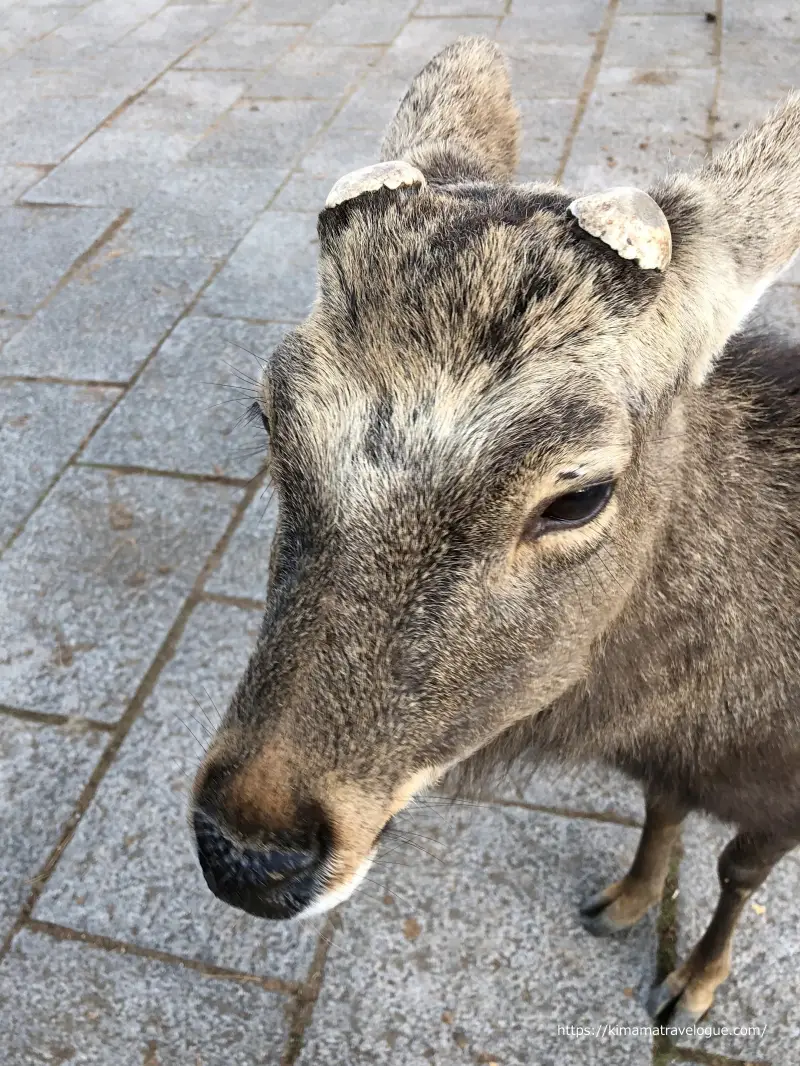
(672, 1002)
(595, 916)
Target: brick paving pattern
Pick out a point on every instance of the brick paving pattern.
(161, 166)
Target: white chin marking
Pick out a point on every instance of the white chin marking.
(328, 900)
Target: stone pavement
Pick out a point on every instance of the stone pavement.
(161, 165)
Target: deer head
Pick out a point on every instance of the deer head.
(475, 438)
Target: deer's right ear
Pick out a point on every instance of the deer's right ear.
(458, 122)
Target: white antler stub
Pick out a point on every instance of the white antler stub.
(630, 222)
(389, 175)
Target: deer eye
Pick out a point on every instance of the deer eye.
(571, 510)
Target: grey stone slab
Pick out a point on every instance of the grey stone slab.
(89, 589)
(199, 211)
(304, 192)
(778, 311)
(315, 71)
(14, 180)
(41, 425)
(550, 21)
(21, 24)
(360, 22)
(40, 246)
(592, 789)
(480, 957)
(341, 149)
(130, 871)
(734, 113)
(72, 1002)
(547, 71)
(114, 167)
(271, 275)
(764, 986)
(42, 771)
(9, 326)
(375, 102)
(176, 418)
(762, 18)
(664, 7)
(461, 7)
(421, 39)
(640, 124)
(659, 42)
(759, 67)
(243, 45)
(180, 27)
(301, 10)
(44, 131)
(105, 323)
(262, 133)
(243, 569)
(182, 102)
(545, 126)
(106, 21)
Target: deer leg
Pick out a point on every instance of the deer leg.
(686, 994)
(624, 902)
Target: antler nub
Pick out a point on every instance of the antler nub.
(391, 175)
(630, 222)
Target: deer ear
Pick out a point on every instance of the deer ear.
(458, 122)
(630, 222)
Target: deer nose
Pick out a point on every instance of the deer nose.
(268, 881)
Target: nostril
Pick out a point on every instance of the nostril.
(250, 877)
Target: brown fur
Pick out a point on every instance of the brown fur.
(471, 354)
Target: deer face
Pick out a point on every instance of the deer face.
(472, 458)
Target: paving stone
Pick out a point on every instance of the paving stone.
(360, 22)
(182, 102)
(114, 167)
(300, 11)
(19, 25)
(480, 957)
(174, 418)
(659, 42)
(41, 425)
(40, 246)
(778, 311)
(138, 821)
(199, 211)
(764, 985)
(271, 275)
(663, 7)
(14, 180)
(547, 71)
(9, 326)
(375, 102)
(42, 771)
(73, 1002)
(243, 569)
(243, 45)
(759, 67)
(44, 131)
(638, 125)
(764, 18)
(106, 322)
(545, 126)
(461, 7)
(262, 133)
(593, 789)
(93, 583)
(315, 71)
(182, 26)
(550, 21)
(106, 21)
(338, 150)
(421, 39)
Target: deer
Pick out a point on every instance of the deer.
(538, 497)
